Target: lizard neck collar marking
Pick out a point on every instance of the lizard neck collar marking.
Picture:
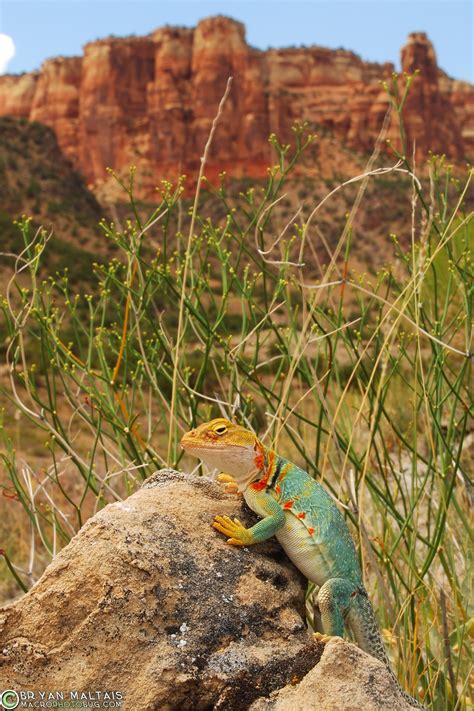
(271, 467)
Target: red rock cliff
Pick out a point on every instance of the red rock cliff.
(149, 101)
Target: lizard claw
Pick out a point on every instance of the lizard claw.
(225, 478)
(235, 542)
(237, 534)
(319, 637)
(231, 486)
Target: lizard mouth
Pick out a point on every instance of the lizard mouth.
(189, 444)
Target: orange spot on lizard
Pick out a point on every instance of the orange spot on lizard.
(262, 483)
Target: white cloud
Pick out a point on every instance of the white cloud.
(7, 51)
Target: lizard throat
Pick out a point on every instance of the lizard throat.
(244, 464)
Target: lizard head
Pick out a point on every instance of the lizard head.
(228, 447)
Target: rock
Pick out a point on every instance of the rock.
(56, 101)
(147, 599)
(113, 120)
(149, 101)
(345, 679)
(17, 94)
(425, 101)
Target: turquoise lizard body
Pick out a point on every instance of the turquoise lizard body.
(307, 523)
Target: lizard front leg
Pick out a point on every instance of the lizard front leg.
(238, 535)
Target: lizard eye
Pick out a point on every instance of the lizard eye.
(222, 429)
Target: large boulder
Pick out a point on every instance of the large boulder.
(148, 604)
(148, 600)
(345, 679)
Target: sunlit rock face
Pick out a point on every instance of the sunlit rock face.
(149, 101)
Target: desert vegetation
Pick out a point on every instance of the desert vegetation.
(361, 377)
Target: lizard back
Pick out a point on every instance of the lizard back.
(315, 535)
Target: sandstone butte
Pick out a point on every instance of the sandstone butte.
(149, 101)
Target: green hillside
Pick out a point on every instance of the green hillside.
(38, 181)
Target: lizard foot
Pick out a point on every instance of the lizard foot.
(319, 637)
(232, 489)
(237, 534)
(226, 478)
(231, 486)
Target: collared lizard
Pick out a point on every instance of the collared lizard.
(305, 520)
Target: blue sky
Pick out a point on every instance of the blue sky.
(374, 29)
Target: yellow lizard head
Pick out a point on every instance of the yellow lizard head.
(228, 447)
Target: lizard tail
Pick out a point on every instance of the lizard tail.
(363, 624)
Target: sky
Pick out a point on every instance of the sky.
(375, 29)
